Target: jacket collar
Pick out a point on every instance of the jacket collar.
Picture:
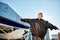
(38, 19)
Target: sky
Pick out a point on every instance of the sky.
(30, 9)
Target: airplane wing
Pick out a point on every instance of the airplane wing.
(12, 23)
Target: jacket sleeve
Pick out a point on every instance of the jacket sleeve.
(51, 26)
(26, 20)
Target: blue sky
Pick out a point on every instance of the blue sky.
(30, 9)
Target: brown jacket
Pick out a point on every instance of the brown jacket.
(39, 27)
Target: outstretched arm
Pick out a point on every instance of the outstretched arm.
(26, 20)
(52, 26)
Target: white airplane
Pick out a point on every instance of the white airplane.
(8, 24)
(15, 34)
